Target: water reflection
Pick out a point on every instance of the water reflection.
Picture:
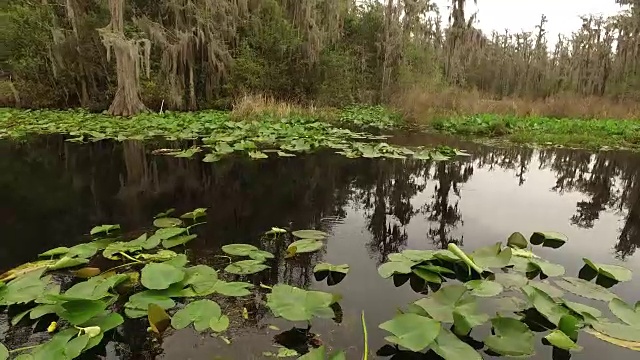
(51, 190)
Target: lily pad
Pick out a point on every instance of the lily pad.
(320, 353)
(548, 239)
(492, 256)
(411, 331)
(167, 222)
(177, 241)
(310, 234)
(615, 272)
(200, 313)
(103, 229)
(583, 310)
(4, 352)
(454, 304)
(547, 268)
(585, 288)
(560, 340)
(517, 241)
(78, 312)
(245, 267)
(449, 346)
(160, 276)
(333, 273)
(618, 331)
(625, 312)
(296, 304)
(511, 337)
(632, 345)
(391, 268)
(196, 213)
(67, 262)
(545, 304)
(306, 246)
(484, 288)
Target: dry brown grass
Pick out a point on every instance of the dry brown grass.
(258, 105)
(422, 106)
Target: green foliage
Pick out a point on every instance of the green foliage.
(594, 134)
(296, 304)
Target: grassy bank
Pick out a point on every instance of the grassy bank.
(592, 134)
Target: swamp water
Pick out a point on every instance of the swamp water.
(52, 191)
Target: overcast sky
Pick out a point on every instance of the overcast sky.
(517, 15)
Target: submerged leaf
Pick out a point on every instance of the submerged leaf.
(412, 331)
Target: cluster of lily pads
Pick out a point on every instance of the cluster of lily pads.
(81, 293)
(216, 135)
(517, 283)
(113, 279)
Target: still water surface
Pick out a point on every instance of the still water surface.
(52, 191)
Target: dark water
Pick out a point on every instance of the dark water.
(51, 192)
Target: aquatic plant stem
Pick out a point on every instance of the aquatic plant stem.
(131, 258)
(365, 356)
(461, 254)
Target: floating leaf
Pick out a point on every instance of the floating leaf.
(67, 262)
(306, 245)
(582, 309)
(255, 155)
(511, 280)
(165, 213)
(233, 288)
(625, 312)
(484, 288)
(160, 276)
(104, 229)
(492, 256)
(296, 304)
(24, 289)
(159, 320)
(426, 275)
(449, 346)
(239, 249)
(55, 252)
(78, 312)
(547, 268)
(310, 234)
(548, 239)
(196, 213)
(632, 345)
(87, 272)
(200, 313)
(4, 352)
(618, 331)
(391, 268)
(615, 272)
(333, 273)
(517, 241)
(245, 267)
(453, 304)
(411, 331)
(560, 340)
(95, 288)
(585, 289)
(545, 304)
(167, 222)
(138, 304)
(511, 337)
(551, 290)
(320, 353)
(177, 241)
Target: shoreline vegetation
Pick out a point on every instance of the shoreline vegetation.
(505, 122)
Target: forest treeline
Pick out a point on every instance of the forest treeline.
(128, 55)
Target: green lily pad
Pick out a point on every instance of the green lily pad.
(95, 288)
(177, 241)
(245, 267)
(492, 256)
(239, 249)
(547, 268)
(511, 338)
(391, 268)
(426, 275)
(625, 312)
(615, 272)
(201, 313)
(310, 234)
(618, 331)
(202, 279)
(167, 222)
(333, 273)
(411, 331)
(545, 304)
(67, 262)
(548, 239)
(4, 352)
(484, 288)
(454, 304)
(138, 303)
(235, 289)
(320, 353)
(511, 280)
(24, 289)
(196, 213)
(517, 241)
(449, 346)
(585, 288)
(296, 304)
(560, 340)
(78, 312)
(551, 290)
(305, 246)
(162, 234)
(55, 252)
(103, 229)
(583, 310)
(160, 276)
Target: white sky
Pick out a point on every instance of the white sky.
(518, 15)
